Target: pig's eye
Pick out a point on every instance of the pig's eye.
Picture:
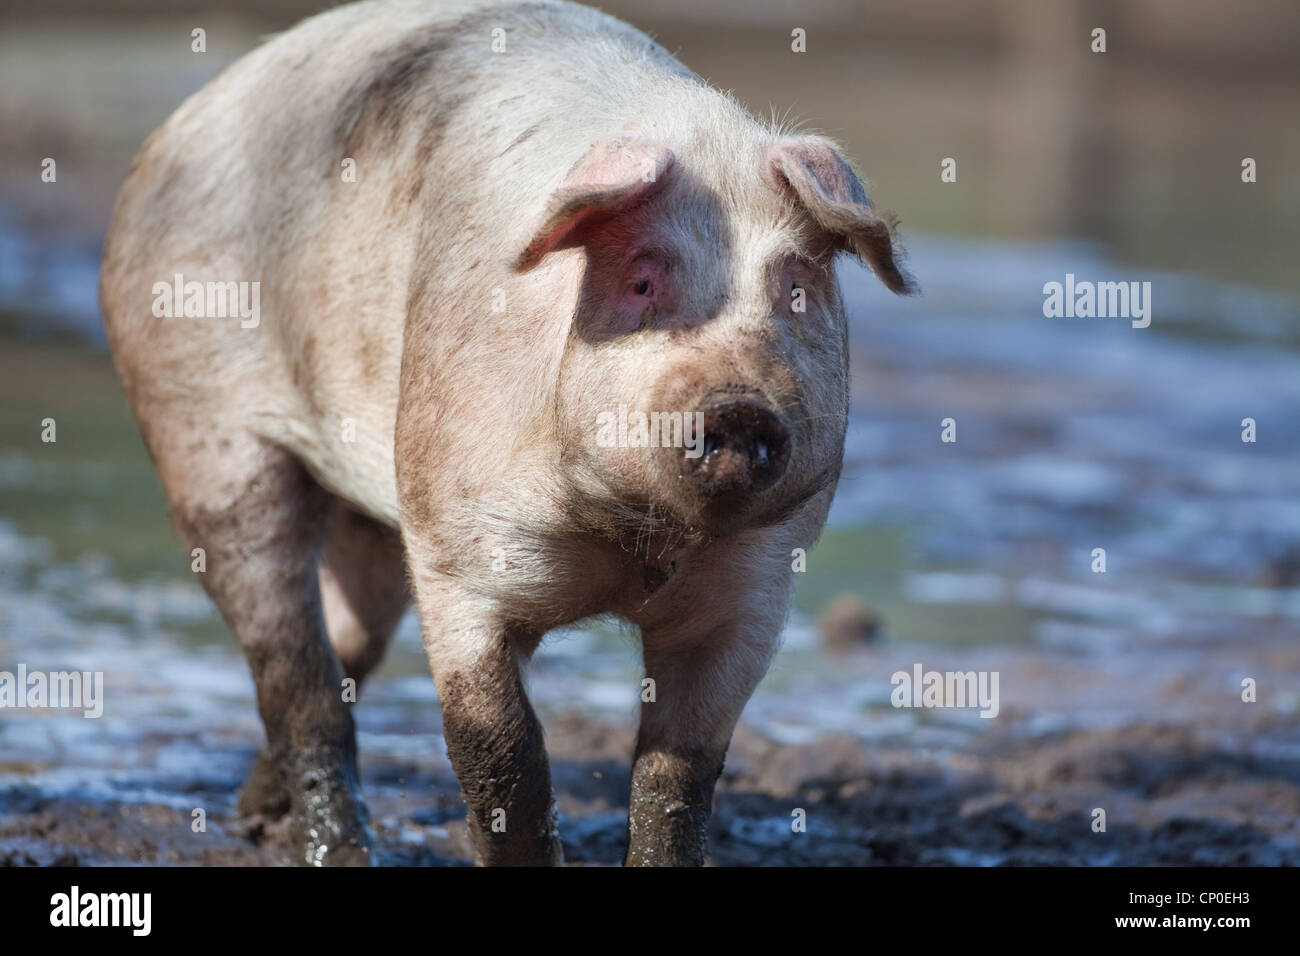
(796, 283)
(642, 287)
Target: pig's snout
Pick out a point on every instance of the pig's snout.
(745, 449)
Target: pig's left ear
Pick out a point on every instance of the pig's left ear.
(827, 187)
(612, 178)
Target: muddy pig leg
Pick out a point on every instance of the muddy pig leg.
(259, 517)
(704, 666)
(494, 739)
(363, 595)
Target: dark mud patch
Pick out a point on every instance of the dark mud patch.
(1171, 796)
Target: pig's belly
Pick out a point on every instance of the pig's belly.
(346, 442)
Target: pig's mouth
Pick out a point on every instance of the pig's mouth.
(659, 532)
(729, 513)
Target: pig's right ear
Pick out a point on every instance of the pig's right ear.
(612, 178)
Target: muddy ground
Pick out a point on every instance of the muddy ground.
(1189, 803)
(1222, 790)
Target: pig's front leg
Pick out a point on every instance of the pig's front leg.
(702, 679)
(494, 739)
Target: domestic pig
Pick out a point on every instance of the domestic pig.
(472, 230)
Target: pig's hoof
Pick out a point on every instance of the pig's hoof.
(329, 825)
(320, 844)
(331, 836)
(264, 794)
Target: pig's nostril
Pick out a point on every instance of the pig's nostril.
(746, 449)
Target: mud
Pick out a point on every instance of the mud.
(1187, 773)
(1176, 797)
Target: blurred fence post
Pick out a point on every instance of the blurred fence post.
(1047, 170)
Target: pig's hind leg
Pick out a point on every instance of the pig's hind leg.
(260, 518)
(363, 586)
(363, 595)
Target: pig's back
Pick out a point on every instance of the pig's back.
(246, 182)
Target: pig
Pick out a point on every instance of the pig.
(474, 228)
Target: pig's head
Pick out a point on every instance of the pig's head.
(704, 385)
